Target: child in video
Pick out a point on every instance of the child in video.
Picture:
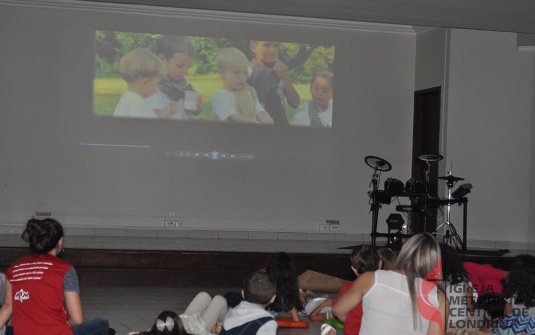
(142, 71)
(318, 112)
(269, 77)
(177, 52)
(363, 258)
(237, 101)
(250, 316)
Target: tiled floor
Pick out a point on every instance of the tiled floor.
(135, 308)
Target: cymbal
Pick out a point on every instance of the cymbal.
(377, 163)
(430, 157)
(451, 178)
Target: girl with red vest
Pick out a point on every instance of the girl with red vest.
(42, 290)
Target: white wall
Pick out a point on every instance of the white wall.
(430, 58)
(487, 120)
(45, 95)
(489, 131)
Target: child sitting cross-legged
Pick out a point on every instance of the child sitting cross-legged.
(250, 316)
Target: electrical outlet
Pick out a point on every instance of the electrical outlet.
(173, 223)
(334, 227)
(173, 213)
(323, 227)
(170, 224)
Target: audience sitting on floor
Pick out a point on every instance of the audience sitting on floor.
(410, 285)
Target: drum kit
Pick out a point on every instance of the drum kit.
(419, 193)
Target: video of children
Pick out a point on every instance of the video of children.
(153, 76)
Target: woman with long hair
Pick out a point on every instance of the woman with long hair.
(282, 268)
(42, 290)
(405, 300)
(519, 294)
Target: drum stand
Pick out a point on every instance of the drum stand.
(450, 236)
(428, 158)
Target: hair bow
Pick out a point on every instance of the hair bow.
(169, 324)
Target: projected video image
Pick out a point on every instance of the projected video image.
(214, 79)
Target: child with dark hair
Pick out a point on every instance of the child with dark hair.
(177, 53)
(387, 258)
(363, 258)
(460, 293)
(167, 323)
(318, 112)
(519, 292)
(250, 316)
(281, 267)
(42, 290)
(203, 316)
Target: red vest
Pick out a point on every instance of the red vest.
(37, 295)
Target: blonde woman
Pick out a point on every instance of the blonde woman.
(405, 300)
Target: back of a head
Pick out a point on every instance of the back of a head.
(281, 267)
(167, 323)
(419, 258)
(452, 266)
(388, 257)
(520, 282)
(168, 45)
(364, 258)
(259, 288)
(43, 235)
(419, 255)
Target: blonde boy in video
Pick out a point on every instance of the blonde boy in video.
(142, 71)
(237, 101)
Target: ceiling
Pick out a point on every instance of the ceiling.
(498, 15)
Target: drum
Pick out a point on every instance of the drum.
(414, 186)
(394, 185)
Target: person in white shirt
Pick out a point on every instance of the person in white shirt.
(405, 300)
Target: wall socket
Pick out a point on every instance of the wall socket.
(173, 213)
(173, 223)
(324, 227)
(334, 227)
